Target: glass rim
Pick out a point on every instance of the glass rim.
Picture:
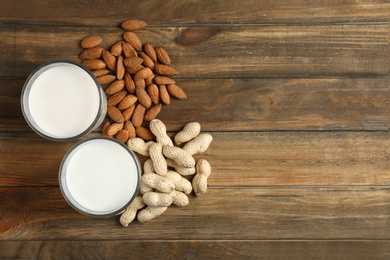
(78, 207)
(27, 87)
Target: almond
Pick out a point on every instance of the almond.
(162, 56)
(109, 59)
(91, 53)
(143, 97)
(116, 98)
(149, 50)
(115, 86)
(133, 70)
(147, 60)
(149, 80)
(154, 93)
(162, 80)
(128, 112)
(91, 41)
(114, 129)
(120, 69)
(128, 50)
(164, 95)
(133, 39)
(132, 25)
(152, 112)
(98, 73)
(105, 79)
(144, 133)
(140, 83)
(128, 101)
(129, 82)
(115, 114)
(122, 136)
(95, 64)
(105, 127)
(132, 62)
(143, 74)
(116, 49)
(138, 115)
(165, 70)
(130, 129)
(176, 91)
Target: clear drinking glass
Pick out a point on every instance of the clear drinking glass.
(62, 100)
(99, 177)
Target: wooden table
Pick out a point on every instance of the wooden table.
(295, 94)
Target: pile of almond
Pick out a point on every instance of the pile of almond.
(136, 78)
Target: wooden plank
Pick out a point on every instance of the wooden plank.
(308, 158)
(219, 51)
(179, 12)
(238, 249)
(284, 104)
(238, 159)
(221, 214)
(256, 104)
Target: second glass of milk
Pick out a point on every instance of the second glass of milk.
(62, 101)
(100, 176)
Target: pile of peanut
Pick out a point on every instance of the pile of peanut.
(171, 172)
(136, 78)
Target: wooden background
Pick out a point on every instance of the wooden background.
(295, 93)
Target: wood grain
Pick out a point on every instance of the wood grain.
(295, 93)
(237, 159)
(195, 249)
(256, 104)
(215, 51)
(104, 13)
(221, 214)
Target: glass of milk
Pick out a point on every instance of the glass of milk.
(99, 176)
(62, 100)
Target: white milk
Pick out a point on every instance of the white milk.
(64, 101)
(100, 177)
